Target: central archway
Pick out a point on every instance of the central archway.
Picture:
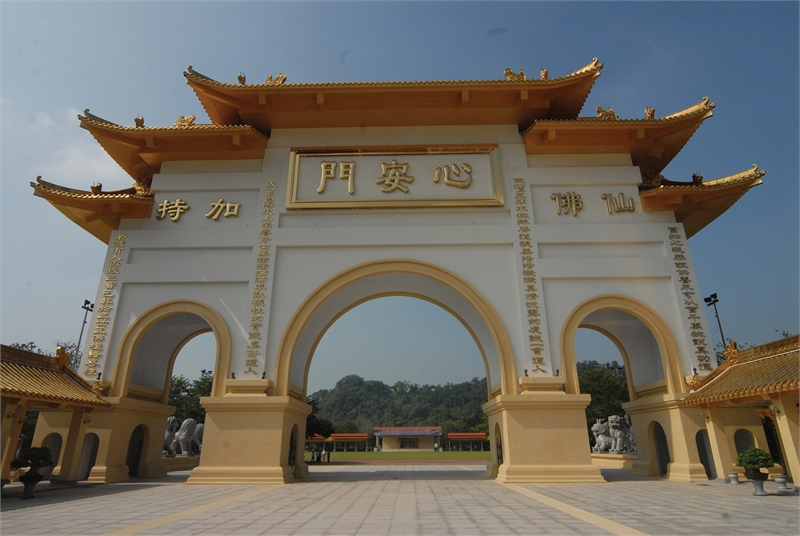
(393, 278)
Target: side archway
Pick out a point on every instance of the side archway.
(390, 278)
(662, 336)
(205, 318)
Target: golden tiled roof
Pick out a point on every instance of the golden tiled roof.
(40, 381)
(749, 178)
(191, 74)
(697, 205)
(63, 191)
(752, 374)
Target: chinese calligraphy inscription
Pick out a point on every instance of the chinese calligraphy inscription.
(172, 209)
(619, 204)
(530, 285)
(567, 203)
(217, 208)
(392, 175)
(105, 307)
(462, 183)
(688, 292)
(260, 280)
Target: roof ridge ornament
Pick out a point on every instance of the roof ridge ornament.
(241, 78)
(184, 122)
(277, 81)
(91, 117)
(606, 115)
(649, 113)
(139, 121)
(513, 77)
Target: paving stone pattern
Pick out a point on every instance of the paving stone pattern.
(402, 499)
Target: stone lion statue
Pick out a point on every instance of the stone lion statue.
(185, 436)
(601, 439)
(620, 435)
(169, 436)
(197, 439)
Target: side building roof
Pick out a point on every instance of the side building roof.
(751, 376)
(35, 380)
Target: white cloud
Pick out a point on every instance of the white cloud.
(63, 153)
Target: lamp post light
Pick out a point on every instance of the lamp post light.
(88, 307)
(712, 300)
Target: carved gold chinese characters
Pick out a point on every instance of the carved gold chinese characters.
(463, 183)
(688, 292)
(260, 281)
(392, 175)
(566, 203)
(173, 209)
(619, 204)
(346, 170)
(535, 340)
(395, 175)
(105, 307)
(231, 209)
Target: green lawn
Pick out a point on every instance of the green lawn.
(407, 455)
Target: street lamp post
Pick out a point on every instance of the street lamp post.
(712, 300)
(88, 307)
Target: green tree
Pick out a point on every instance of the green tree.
(314, 424)
(609, 391)
(347, 427)
(185, 395)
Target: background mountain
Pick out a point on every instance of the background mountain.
(356, 404)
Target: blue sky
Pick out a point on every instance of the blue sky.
(123, 59)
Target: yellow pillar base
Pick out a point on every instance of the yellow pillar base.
(246, 440)
(114, 427)
(680, 424)
(544, 438)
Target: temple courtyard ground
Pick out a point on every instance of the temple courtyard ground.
(411, 498)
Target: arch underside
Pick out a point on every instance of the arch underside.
(160, 345)
(392, 278)
(645, 342)
(151, 344)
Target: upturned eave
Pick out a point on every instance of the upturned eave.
(651, 143)
(697, 205)
(97, 213)
(140, 151)
(426, 103)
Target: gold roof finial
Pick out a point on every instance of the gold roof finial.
(139, 121)
(184, 122)
(543, 73)
(606, 115)
(731, 353)
(512, 77)
(62, 357)
(649, 113)
(241, 78)
(98, 385)
(277, 81)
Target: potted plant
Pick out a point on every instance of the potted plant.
(34, 458)
(753, 459)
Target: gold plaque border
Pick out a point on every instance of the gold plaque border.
(496, 200)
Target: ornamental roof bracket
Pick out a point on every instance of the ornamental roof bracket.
(91, 117)
(703, 105)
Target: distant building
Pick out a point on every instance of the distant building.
(390, 438)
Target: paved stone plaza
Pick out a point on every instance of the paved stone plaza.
(402, 499)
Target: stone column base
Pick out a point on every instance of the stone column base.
(246, 440)
(544, 437)
(241, 475)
